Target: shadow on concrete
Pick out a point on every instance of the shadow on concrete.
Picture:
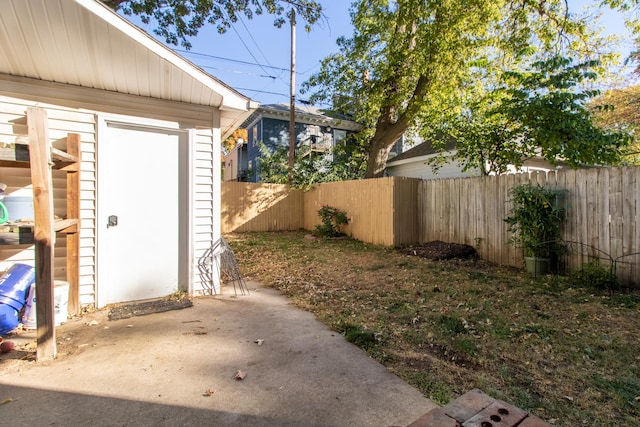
(38, 407)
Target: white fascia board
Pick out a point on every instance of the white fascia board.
(418, 159)
(313, 119)
(230, 97)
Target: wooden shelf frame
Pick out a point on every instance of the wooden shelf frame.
(40, 157)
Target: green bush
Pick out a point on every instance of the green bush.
(535, 219)
(594, 275)
(332, 221)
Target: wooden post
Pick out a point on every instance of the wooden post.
(292, 98)
(73, 212)
(40, 160)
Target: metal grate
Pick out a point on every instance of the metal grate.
(221, 259)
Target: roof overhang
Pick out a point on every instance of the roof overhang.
(312, 117)
(84, 43)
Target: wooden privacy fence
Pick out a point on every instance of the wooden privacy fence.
(381, 211)
(601, 222)
(260, 207)
(602, 212)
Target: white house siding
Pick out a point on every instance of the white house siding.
(13, 124)
(73, 109)
(206, 205)
(414, 168)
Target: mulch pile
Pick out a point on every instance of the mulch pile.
(438, 250)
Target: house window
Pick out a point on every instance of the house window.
(339, 136)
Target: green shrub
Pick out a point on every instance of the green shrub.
(535, 219)
(332, 221)
(594, 275)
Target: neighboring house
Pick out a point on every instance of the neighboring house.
(151, 125)
(235, 163)
(270, 125)
(414, 163)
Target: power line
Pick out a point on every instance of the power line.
(206, 55)
(237, 72)
(254, 41)
(261, 91)
(256, 44)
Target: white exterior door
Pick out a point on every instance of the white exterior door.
(140, 214)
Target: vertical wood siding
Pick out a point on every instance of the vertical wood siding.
(603, 211)
(260, 207)
(380, 211)
(369, 206)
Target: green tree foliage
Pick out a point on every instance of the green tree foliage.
(177, 20)
(343, 163)
(619, 110)
(540, 112)
(416, 63)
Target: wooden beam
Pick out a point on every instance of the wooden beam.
(65, 160)
(17, 155)
(21, 233)
(40, 159)
(73, 212)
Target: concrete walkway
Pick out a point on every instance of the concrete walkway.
(177, 369)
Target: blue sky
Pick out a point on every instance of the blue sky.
(232, 57)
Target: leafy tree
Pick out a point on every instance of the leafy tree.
(177, 20)
(541, 112)
(344, 162)
(619, 110)
(412, 63)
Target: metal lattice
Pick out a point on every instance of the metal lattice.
(220, 259)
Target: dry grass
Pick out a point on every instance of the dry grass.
(564, 354)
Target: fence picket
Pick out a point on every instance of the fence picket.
(603, 210)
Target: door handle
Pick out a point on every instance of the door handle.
(112, 221)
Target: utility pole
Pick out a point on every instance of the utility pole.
(292, 104)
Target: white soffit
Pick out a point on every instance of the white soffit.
(84, 43)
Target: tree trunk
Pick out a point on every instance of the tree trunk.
(380, 146)
(377, 160)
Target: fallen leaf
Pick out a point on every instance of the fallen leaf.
(92, 323)
(569, 398)
(259, 341)
(240, 375)
(208, 392)
(7, 400)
